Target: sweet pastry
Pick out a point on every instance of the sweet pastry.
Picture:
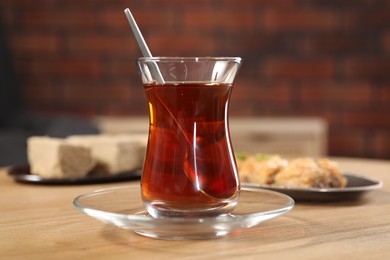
(300, 172)
(79, 155)
(113, 153)
(54, 158)
(336, 179)
(260, 168)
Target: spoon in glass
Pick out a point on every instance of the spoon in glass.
(188, 164)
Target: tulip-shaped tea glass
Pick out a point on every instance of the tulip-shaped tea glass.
(189, 168)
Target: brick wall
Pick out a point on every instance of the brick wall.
(301, 58)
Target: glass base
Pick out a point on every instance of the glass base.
(183, 235)
(160, 209)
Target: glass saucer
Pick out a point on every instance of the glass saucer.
(122, 206)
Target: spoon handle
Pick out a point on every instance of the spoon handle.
(143, 46)
(138, 35)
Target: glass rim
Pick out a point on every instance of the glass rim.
(194, 58)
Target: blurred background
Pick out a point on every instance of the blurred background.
(302, 58)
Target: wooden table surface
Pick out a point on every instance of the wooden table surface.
(40, 222)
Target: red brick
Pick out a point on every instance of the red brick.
(24, 3)
(228, 20)
(98, 44)
(262, 91)
(260, 43)
(346, 5)
(38, 92)
(94, 93)
(302, 19)
(380, 145)
(115, 19)
(124, 67)
(368, 68)
(137, 108)
(384, 95)
(66, 67)
(35, 43)
(295, 69)
(340, 43)
(252, 97)
(324, 59)
(9, 18)
(364, 19)
(345, 142)
(370, 119)
(147, 19)
(240, 108)
(229, 3)
(258, 3)
(332, 117)
(342, 94)
(181, 4)
(95, 4)
(386, 42)
(56, 19)
(170, 44)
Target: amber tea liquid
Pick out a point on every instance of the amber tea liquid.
(189, 167)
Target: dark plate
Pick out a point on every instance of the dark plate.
(22, 174)
(357, 186)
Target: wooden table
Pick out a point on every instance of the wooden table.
(40, 222)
